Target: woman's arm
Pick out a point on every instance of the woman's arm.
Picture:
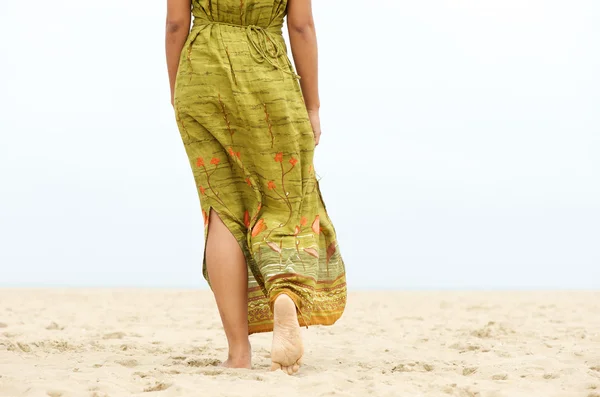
(179, 17)
(303, 41)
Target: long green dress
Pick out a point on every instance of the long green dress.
(246, 131)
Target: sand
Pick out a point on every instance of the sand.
(97, 343)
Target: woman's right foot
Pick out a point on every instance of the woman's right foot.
(287, 348)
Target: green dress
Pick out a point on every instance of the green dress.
(246, 132)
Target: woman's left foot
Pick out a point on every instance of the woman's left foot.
(237, 363)
(243, 360)
(287, 348)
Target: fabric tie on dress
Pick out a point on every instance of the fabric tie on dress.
(259, 38)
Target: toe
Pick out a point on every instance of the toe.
(289, 370)
(275, 366)
(296, 367)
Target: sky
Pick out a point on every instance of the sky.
(460, 145)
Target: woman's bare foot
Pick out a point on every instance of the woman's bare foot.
(287, 348)
(242, 360)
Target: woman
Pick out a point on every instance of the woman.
(250, 127)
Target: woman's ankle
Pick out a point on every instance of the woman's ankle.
(240, 350)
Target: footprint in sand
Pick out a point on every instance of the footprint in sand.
(463, 348)
(96, 393)
(551, 376)
(158, 386)
(7, 345)
(413, 367)
(461, 391)
(203, 362)
(3, 325)
(128, 363)
(492, 330)
(54, 326)
(24, 347)
(114, 335)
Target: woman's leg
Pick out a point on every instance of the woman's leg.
(228, 274)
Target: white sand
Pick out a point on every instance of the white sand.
(166, 343)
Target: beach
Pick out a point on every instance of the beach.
(154, 342)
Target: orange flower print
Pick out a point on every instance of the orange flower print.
(238, 154)
(271, 185)
(315, 225)
(200, 162)
(296, 230)
(248, 182)
(230, 150)
(259, 227)
(247, 218)
(205, 216)
(303, 221)
(279, 157)
(310, 168)
(215, 161)
(293, 161)
(202, 190)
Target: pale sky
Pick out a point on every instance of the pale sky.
(460, 146)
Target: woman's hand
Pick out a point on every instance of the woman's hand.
(315, 122)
